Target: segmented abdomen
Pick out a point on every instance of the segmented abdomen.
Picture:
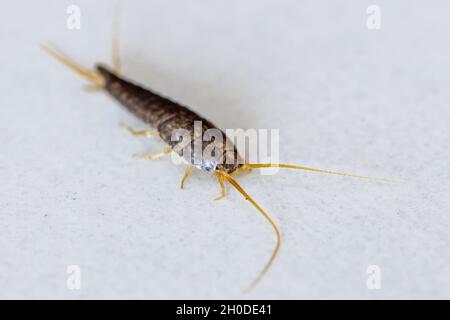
(168, 117)
(159, 112)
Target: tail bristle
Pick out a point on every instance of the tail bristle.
(95, 78)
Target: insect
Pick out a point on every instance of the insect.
(167, 116)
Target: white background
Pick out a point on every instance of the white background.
(344, 98)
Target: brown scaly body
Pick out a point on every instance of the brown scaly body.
(167, 117)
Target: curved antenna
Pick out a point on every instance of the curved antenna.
(290, 166)
(274, 226)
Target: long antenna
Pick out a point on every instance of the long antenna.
(290, 166)
(274, 226)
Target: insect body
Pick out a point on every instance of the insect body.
(168, 117)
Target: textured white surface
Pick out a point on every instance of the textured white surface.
(344, 97)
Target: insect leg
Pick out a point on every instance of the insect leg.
(222, 187)
(141, 133)
(154, 156)
(186, 175)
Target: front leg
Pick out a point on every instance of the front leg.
(222, 187)
(186, 175)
